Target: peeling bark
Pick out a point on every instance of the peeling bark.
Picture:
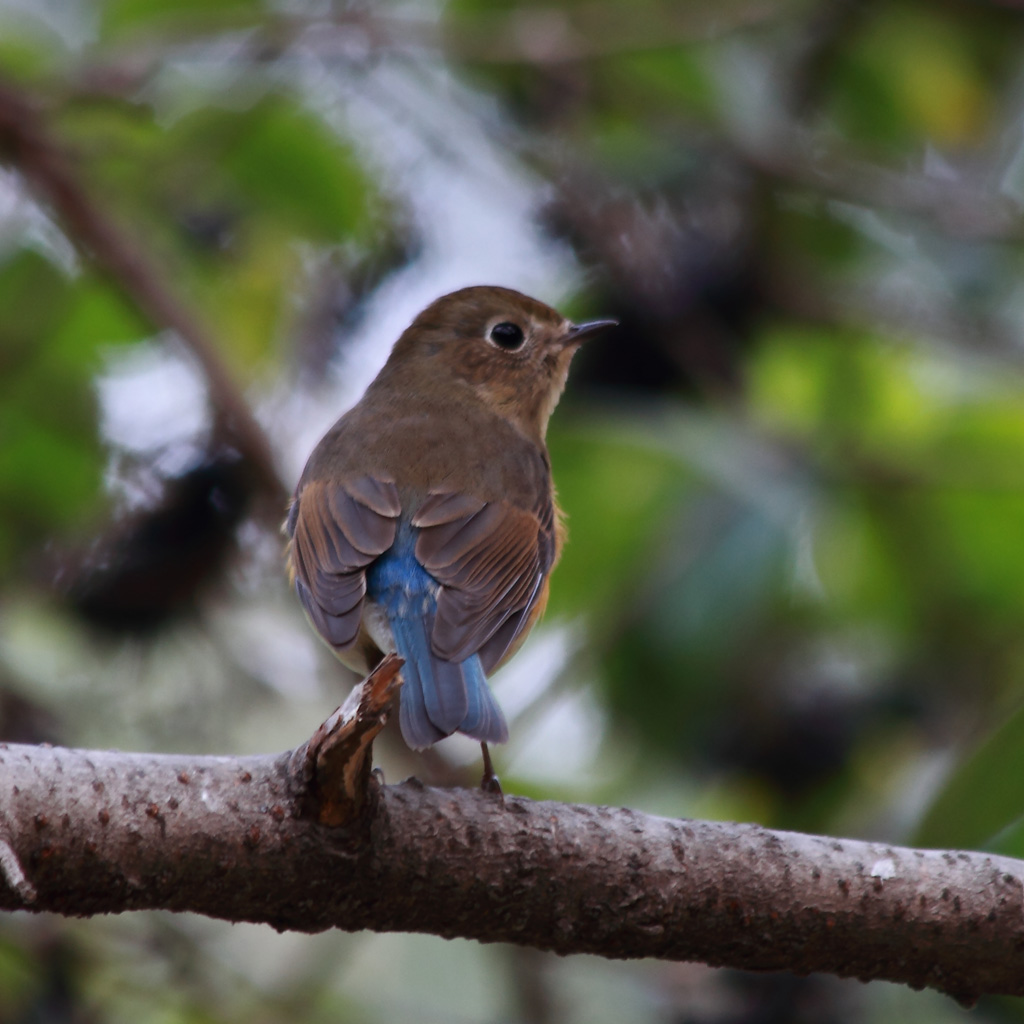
(335, 764)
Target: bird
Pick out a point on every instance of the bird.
(425, 521)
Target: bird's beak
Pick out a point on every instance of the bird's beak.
(580, 332)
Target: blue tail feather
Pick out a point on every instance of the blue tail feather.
(438, 697)
(417, 729)
(484, 720)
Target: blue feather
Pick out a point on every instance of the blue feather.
(438, 697)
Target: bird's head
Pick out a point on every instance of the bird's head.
(512, 350)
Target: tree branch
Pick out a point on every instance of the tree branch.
(26, 144)
(87, 832)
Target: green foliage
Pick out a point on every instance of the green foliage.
(51, 342)
(17, 975)
(795, 503)
(286, 163)
(224, 194)
(980, 806)
(617, 497)
(672, 77)
(685, 637)
(914, 73)
(135, 17)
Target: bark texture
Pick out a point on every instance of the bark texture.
(87, 832)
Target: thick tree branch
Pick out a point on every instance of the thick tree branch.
(26, 144)
(86, 832)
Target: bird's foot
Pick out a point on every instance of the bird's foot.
(490, 782)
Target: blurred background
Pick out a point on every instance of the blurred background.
(794, 588)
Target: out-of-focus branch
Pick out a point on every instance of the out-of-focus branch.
(785, 151)
(525, 34)
(803, 294)
(959, 207)
(26, 144)
(551, 34)
(258, 839)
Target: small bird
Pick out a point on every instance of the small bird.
(425, 520)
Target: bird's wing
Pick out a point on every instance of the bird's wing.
(337, 530)
(491, 559)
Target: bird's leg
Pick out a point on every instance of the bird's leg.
(489, 783)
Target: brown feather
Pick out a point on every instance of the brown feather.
(490, 564)
(452, 429)
(446, 507)
(337, 534)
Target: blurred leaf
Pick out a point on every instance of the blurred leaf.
(18, 976)
(983, 796)
(26, 54)
(978, 534)
(47, 475)
(289, 163)
(730, 575)
(122, 16)
(629, 149)
(811, 235)
(913, 72)
(246, 300)
(617, 497)
(670, 79)
(34, 295)
(98, 317)
(853, 560)
(267, 159)
(786, 378)
(50, 457)
(716, 588)
(897, 406)
(839, 387)
(143, 171)
(940, 88)
(980, 440)
(221, 195)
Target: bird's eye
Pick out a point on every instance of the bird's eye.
(507, 335)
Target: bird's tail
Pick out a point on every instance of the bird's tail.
(441, 697)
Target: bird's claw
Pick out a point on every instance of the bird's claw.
(490, 782)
